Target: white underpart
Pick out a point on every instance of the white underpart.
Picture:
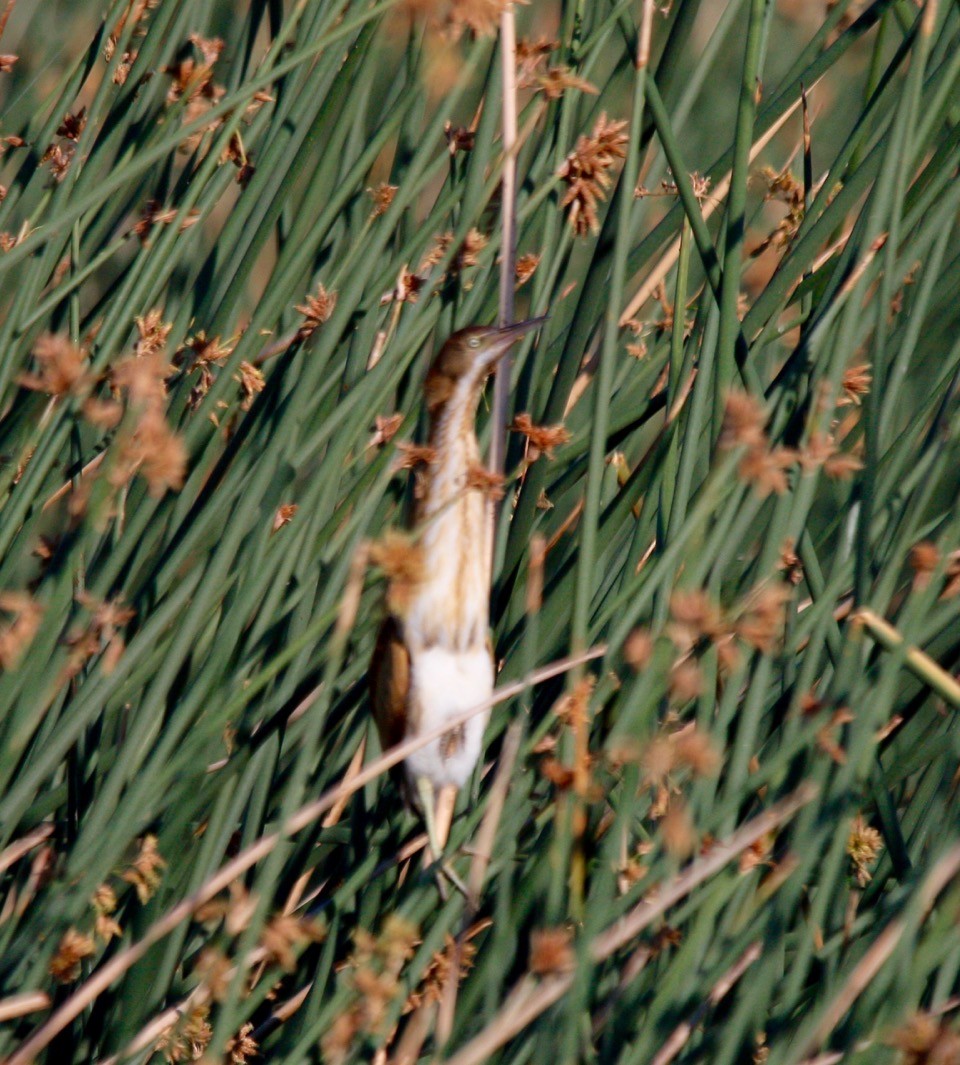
(450, 666)
(446, 683)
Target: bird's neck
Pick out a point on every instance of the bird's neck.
(454, 442)
(452, 604)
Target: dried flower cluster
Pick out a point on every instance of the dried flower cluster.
(386, 427)
(699, 184)
(411, 456)
(855, 384)
(17, 632)
(532, 58)
(382, 196)
(481, 18)
(697, 622)
(59, 156)
(924, 559)
(74, 947)
(148, 446)
(284, 515)
(555, 81)
(198, 355)
(468, 254)
(242, 1047)
(926, 1040)
(403, 564)
(101, 633)
(137, 13)
(373, 974)
(188, 1038)
(765, 468)
(784, 188)
(144, 870)
(526, 266)
(283, 933)
(541, 439)
(104, 905)
(439, 968)
(863, 845)
(488, 482)
(193, 82)
(154, 214)
(62, 367)
(251, 381)
(586, 172)
(316, 310)
(551, 951)
(664, 760)
(762, 466)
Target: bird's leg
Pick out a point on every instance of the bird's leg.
(436, 841)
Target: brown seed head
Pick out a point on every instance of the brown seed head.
(743, 421)
(17, 634)
(762, 618)
(926, 1040)
(316, 310)
(382, 197)
(586, 172)
(74, 947)
(696, 750)
(541, 439)
(61, 367)
(144, 871)
(686, 681)
(551, 951)
(679, 834)
(863, 845)
(403, 564)
(555, 82)
(766, 470)
(638, 648)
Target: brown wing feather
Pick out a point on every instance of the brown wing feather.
(390, 682)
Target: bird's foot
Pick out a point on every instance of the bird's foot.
(438, 828)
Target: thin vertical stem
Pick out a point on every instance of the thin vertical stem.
(736, 210)
(508, 252)
(608, 350)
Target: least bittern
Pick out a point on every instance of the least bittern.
(435, 662)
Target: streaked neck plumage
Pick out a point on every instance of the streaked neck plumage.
(451, 607)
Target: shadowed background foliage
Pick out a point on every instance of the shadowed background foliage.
(232, 234)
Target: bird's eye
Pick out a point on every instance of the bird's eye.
(474, 342)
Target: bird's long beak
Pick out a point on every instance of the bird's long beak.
(509, 334)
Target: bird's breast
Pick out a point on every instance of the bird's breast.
(450, 608)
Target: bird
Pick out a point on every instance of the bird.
(433, 659)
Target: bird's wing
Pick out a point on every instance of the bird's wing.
(390, 682)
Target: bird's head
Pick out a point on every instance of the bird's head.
(469, 355)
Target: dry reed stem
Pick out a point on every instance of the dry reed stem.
(530, 998)
(356, 762)
(679, 1036)
(482, 850)
(20, 1005)
(920, 663)
(16, 850)
(257, 851)
(881, 950)
(414, 1035)
(508, 257)
(158, 1026)
(65, 488)
(669, 258)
